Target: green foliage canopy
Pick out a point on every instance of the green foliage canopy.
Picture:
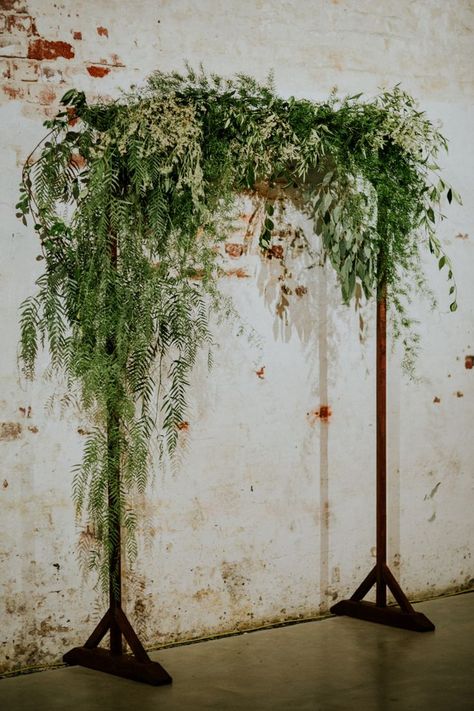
(129, 199)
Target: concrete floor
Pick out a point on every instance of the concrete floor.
(337, 664)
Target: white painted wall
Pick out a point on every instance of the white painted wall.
(270, 515)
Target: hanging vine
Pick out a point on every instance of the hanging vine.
(129, 200)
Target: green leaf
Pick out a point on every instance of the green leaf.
(442, 262)
(450, 195)
(431, 215)
(453, 306)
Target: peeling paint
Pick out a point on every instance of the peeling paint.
(98, 72)
(234, 250)
(239, 273)
(50, 49)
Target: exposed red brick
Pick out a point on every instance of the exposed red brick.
(234, 250)
(72, 118)
(98, 72)
(77, 35)
(8, 68)
(51, 72)
(469, 362)
(103, 31)
(78, 161)
(13, 92)
(21, 23)
(47, 49)
(239, 273)
(275, 251)
(116, 61)
(16, 5)
(46, 96)
(24, 70)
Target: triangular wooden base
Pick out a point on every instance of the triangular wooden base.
(137, 666)
(402, 616)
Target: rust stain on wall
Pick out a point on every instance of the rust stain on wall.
(103, 31)
(47, 49)
(260, 373)
(301, 291)
(324, 414)
(10, 431)
(183, 426)
(436, 399)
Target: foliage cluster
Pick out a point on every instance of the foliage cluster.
(129, 200)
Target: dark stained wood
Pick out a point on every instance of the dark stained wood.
(389, 615)
(365, 585)
(404, 615)
(381, 446)
(123, 665)
(139, 666)
(99, 632)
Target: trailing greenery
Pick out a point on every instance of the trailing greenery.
(129, 200)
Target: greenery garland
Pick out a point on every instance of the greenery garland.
(129, 200)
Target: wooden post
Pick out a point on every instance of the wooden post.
(113, 661)
(402, 615)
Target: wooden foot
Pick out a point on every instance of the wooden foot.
(124, 665)
(137, 666)
(392, 615)
(403, 615)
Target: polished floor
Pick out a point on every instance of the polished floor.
(336, 664)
